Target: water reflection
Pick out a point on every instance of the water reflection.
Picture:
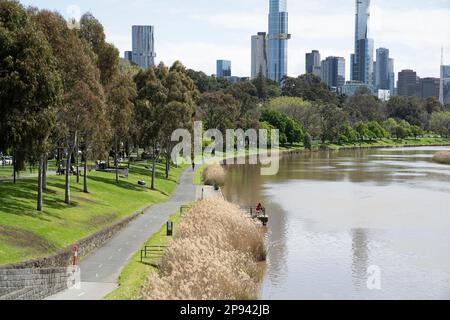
(334, 214)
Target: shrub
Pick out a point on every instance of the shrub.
(214, 255)
(442, 157)
(214, 175)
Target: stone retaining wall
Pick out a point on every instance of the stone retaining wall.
(43, 277)
(32, 284)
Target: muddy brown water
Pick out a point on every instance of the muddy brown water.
(334, 216)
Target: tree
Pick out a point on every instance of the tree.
(290, 130)
(309, 87)
(245, 93)
(151, 98)
(307, 141)
(390, 125)
(82, 107)
(121, 96)
(219, 110)
(331, 119)
(362, 129)
(377, 131)
(365, 108)
(260, 83)
(180, 105)
(409, 109)
(348, 134)
(30, 88)
(440, 123)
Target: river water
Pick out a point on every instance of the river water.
(335, 217)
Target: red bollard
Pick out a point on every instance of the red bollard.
(75, 255)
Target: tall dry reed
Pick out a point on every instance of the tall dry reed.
(214, 175)
(215, 255)
(442, 157)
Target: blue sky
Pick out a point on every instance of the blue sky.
(198, 32)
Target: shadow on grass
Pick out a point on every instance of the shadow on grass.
(122, 184)
(20, 199)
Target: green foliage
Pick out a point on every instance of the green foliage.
(308, 87)
(290, 130)
(440, 123)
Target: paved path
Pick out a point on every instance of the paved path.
(100, 271)
(27, 176)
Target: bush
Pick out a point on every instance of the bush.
(214, 175)
(215, 255)
(442, 157)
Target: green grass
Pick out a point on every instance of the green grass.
(7, 171)
(393, 143)
(26, 234)
(135, 273)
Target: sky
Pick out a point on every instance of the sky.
(198, 32)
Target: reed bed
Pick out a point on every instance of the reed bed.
(214, 175)
(442, 157)
(215, 255)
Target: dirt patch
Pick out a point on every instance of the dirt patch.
(21, 238)
(103, 220)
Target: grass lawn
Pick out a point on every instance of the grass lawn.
(395, 143)
(135, 273)
(27, 234)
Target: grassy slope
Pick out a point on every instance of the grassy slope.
(25, 234)
(134, 275)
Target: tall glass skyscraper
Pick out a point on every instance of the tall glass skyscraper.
(143, 53)
(223, 68)
(362, 59)
(259, 55)
(278, 40)
(384, 71)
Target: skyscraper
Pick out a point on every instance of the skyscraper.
(429, 87)
(445, 71)
(312, 61)
(223, 68)
(128, 55)
(333, 72)
(143, 46)
(362, 59)
(259, 54)
(278, 40)
(384, 71)
(408, 83)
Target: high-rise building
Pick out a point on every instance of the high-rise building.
(384, 76)
(223, 68)
(143, 46)
(128, 56)
(429, 87)
(445, 83)
(407, 83)
(278, 37)
(259, 55)
(312, 61)
(333, 72)
(362, 59)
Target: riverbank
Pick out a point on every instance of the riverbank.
(26, 234)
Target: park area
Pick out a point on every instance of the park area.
(26, 233)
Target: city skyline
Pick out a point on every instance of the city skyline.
(224, 31)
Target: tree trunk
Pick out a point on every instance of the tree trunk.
(78, 167)
(85, 185)
(14, 166)
(153, 173)
(44, 173)
(59, 161)
(67, 187)
(116, 162)
(40, 174)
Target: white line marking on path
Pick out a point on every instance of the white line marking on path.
(82, 294)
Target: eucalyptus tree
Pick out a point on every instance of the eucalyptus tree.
(82, 107)
(30, 88)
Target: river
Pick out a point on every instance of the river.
(336, 215)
